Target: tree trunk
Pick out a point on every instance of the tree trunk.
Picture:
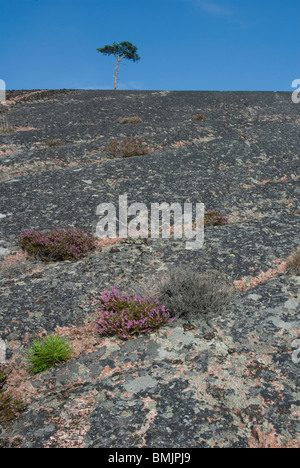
(116, 73)
(116, 70)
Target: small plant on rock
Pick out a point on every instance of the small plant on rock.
(129, 120)
(293, 264)
(191, 295)
(214, 218)
(58, 245)
(45, 353)
(52, 142)
(198, 117)
(127, 148)
(127, 315)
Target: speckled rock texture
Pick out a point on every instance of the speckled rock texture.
(229, 382)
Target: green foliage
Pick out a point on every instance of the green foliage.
(45, 353)
(190, 295)
(122, 50)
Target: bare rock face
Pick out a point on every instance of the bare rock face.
(222, 380)
(2, 351)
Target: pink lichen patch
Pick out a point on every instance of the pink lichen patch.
(223, 166)
(178, 144)
(83, 339)
(16, 257)
(13, 101)
(151, 414)
(18, 379)
(7, 152)
(126, 395)
(250, 282)
(108, 371)
(23, 129)
(108, 242)
(72, 424)
(262, 439)
(257, 183)
(18, 263)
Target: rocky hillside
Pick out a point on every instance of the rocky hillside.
(226, 378)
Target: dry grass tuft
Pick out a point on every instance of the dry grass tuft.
(198, 117)
(129, 120)
(188, 294)
(52, 142)
(293, 264)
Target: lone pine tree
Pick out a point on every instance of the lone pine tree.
(124, 50)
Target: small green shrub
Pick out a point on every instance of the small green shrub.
(214, 218)
(52, 142)
(190, 295)
(293, 264)
(58, 245)
(126, 315)
(45, 353)
(126, 148)
(10, 405)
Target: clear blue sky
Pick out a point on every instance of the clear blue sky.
(184, 44)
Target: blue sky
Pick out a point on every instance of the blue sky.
(184, 44)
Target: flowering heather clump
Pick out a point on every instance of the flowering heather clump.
(10, 405)
(58, 245)
(127, 315)
(214, 218)
(126, 148)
